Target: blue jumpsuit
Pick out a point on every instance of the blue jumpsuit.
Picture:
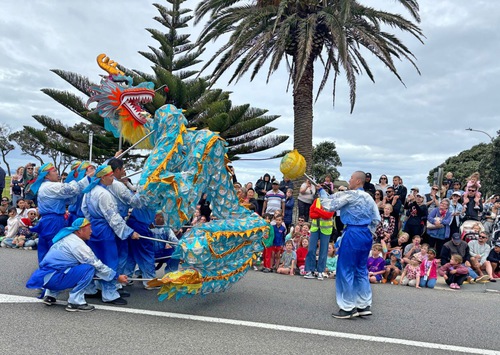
(69, 263)
(359, 213)
(52, 200)
(125, 199)
(100, 208)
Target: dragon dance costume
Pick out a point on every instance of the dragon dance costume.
(69, 263)
(52, 200)
(100, 208)
(359, 213)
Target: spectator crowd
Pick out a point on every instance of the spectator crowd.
(452, 230)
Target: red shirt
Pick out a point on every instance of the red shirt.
(301, 256)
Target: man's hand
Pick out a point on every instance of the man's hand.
(122, 279)
(135, 235)
(117, 154)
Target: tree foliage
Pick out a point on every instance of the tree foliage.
(245, 128)
(325, 161)
(482, 158)
(5, 145)
(41, 144)
(334, 34)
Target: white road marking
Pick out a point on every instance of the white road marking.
(452, 348)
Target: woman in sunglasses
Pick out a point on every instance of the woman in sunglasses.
(382, 184)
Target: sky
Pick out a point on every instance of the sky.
(395, 129)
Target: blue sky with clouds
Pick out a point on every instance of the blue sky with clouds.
(394, 130)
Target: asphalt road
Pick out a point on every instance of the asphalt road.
(261, 314)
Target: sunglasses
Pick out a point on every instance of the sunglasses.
(471, 190)
(5, 200)
(435, 189)
(383, 178)
(481, 237)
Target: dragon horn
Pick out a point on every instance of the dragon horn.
(108, 65)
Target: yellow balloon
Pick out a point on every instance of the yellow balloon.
(293, 165)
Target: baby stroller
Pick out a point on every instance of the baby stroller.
(468, 233)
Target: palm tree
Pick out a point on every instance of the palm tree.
(299, 32)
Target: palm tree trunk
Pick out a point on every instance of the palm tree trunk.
(303, 114)
(303, 124)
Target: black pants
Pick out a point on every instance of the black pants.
(304, 210)
(456, 278)
(437, 244)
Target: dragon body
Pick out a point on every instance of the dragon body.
(185, 163)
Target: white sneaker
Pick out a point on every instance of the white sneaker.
(309, 275)
(320, 276)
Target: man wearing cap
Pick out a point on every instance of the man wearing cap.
(71, 264)
(99, 206)
(368, 186)
(53, 197)
(360, 215)
(274, 199)
(458, 246)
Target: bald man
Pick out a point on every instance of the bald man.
(360, 215)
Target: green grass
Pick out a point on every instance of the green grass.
(6, 190)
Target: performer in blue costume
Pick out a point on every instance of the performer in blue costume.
(53, 196)
(125, 200)
(359, 213)
(71, 264)
(99, 206)
(78, 171)
(164, 251)
(143, 251)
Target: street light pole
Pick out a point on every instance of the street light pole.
(477, 130)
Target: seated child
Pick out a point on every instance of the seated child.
(301, 255)
(399, 243)
(454, 272)
(392, 267)
(11, 229)
(376, 264)
(412, 248)
(428, 270)
(410, 273)
(331, 261)
(287, 260)
(305, 229)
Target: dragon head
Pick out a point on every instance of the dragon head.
(119, 103)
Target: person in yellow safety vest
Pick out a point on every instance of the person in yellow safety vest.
(321, 229)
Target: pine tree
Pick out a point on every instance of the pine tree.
(244, 128)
